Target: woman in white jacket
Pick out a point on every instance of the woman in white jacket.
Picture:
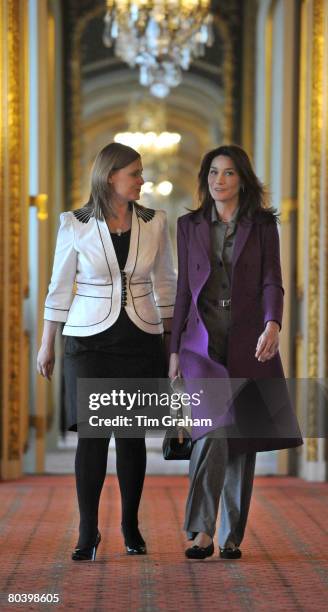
(113, 285)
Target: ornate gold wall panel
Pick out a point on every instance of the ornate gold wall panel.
(315, 185)
(287, 207)
(13, 237)
(314, 216)
(302, 146)
(312, 188)
(325, 127)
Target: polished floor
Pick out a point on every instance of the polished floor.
(284, 564)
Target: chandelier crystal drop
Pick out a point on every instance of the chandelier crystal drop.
(162, 37)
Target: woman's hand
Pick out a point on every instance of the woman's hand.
(174, 369)
(46, 360)
(46, 356)
(268, 342)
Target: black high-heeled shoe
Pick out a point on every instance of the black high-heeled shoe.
(200, 552)
(134, 543)
(88, 553)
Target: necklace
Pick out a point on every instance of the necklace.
(118, 231)
(125, 225)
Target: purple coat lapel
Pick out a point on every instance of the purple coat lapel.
(202, 232)
(243, 230)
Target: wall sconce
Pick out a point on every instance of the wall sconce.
(40, 201)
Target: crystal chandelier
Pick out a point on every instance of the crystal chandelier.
(162, 37)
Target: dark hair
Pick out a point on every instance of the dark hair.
(252, 196)
(114, 156)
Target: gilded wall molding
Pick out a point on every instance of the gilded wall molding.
(2, 199)
(268, 88)
(13, 231)
(325, 123)
(303, 147)
(287, 207)
(14, 254)
(315, 186)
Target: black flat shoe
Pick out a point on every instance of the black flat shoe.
(200, 552)
(230, 553)
(88, 553)
(136, 549)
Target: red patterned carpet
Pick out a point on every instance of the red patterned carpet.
(284, 565)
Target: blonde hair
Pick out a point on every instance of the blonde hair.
(114, 156)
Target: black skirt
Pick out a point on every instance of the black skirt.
(122, 351)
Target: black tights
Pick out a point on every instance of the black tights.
(90, 471)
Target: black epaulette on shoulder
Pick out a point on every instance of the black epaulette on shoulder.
(146, 214)
(86, 213)
(83, 214)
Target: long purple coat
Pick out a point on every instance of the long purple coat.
(256, 297)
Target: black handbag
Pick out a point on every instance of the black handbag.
(177, 444)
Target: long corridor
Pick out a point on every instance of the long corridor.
(284, 564)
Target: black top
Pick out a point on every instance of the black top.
(123, 329)
(123, 333)
(121, 245)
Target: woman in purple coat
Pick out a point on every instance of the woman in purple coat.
(226, 326)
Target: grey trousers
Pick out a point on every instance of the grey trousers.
(213, 474)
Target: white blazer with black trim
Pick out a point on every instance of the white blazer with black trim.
(85, 261)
